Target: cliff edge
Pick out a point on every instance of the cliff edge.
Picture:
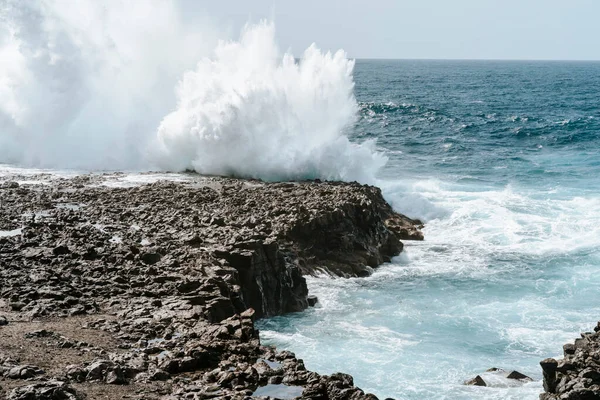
(577, 375)
(151, 290)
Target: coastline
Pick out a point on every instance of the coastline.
(577, 375)
(154, 288)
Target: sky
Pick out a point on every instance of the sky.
(428, 29)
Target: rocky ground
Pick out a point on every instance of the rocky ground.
(577, 375)
(111, 290)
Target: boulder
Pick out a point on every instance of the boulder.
(519, 376)
(477, 381)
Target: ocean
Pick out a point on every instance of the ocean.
(500, 159)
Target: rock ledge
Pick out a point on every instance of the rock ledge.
(151, 291)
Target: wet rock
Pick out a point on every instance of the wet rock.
(477, 381)
(10, 185)
(517, 375)
(549, 371)
(577, 375)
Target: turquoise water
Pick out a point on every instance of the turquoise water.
(501, 161)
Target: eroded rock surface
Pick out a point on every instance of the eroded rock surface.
(151, 291)
(577, 375)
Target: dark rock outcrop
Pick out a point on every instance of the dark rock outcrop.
(160, 284)
(577, 375)
(477, 381)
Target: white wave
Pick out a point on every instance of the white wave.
(84, 84)
(103, 86)
(252, 112)
(465, 227)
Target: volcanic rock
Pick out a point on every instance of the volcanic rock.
(152, 291)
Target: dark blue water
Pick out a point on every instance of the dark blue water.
(501, 159)
(461, 118)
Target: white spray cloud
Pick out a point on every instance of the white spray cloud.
(83, 84)
(250, 111)
(93, 85)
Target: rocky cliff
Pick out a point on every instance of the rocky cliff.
(154, 288)
(577, 375)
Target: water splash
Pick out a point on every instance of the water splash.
(84, 84)
(252, 112)
(104, 86)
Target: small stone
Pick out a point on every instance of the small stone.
(493, 369)
(3, 320)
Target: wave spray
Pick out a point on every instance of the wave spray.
(126, 85)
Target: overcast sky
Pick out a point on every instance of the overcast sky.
(446, 29)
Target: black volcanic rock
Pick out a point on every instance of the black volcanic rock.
(160, 284)
(577, 375)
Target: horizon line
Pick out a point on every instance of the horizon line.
(475, 59)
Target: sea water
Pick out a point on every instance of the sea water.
(501, 160)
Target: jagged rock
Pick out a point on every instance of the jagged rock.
(50, 390)
(577, 375)
(116, 376)
(159, 375)
(477, 381)
(312, 300)
(549, 371)
(76, 373)
(180, 272)
(60, 250)
(517, 375)
(97, 370)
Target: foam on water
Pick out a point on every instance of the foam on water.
(503, 279)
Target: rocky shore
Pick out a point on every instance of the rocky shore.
(112, 289)
(577, 375)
